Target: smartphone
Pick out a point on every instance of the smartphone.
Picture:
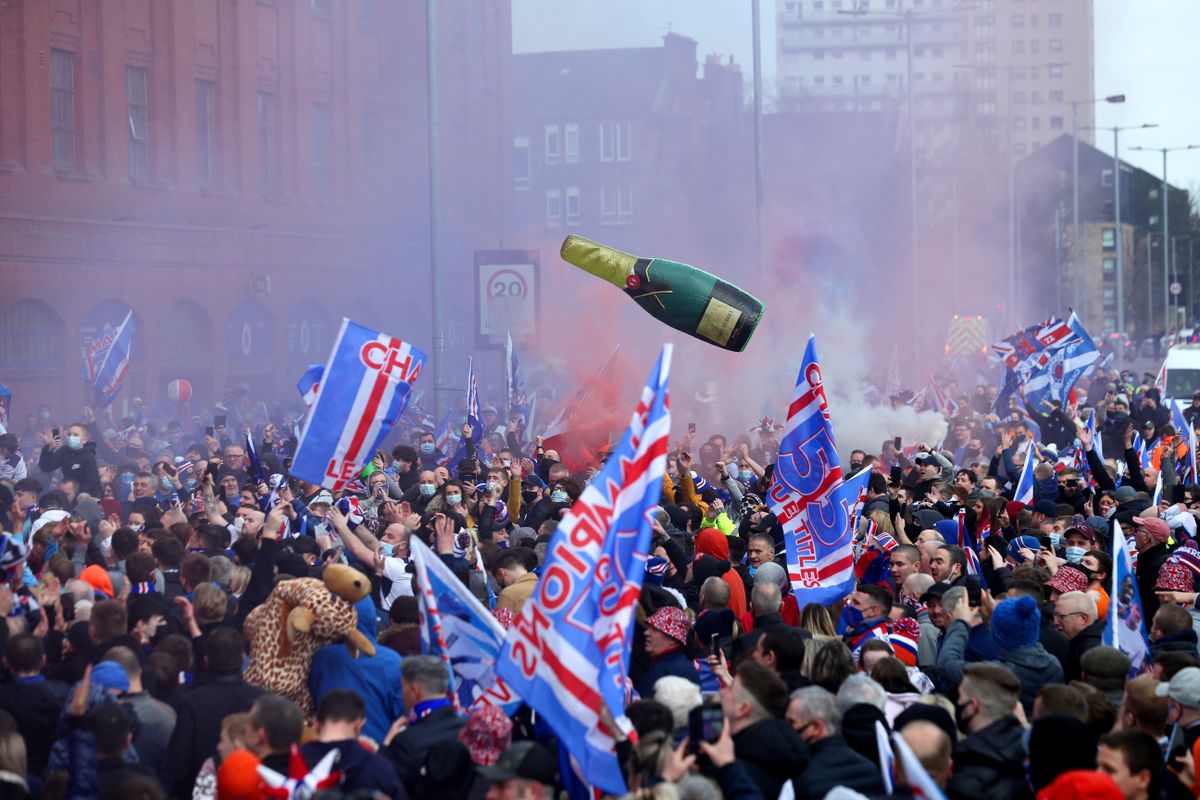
(54, 433)
(68, 606)
(691, 427)
(219, 421)
(208, 431)
(714, 646)
(896, 444)
(895, 476)
(705, 723)
(212, 469)
(1177, 493)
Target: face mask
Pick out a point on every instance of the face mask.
(503, 545)
(74, 441)
(850, 618)
(1055, 540)
(427, 448)
(506, 462)
(491, 486)
(528, 498)
(238, 524)
(1075, 554)
(387, 549)
(165, 482)
(558, 496)
(427, 489)
(960, 719)
(189, 485)
(1090, 573)
(454, 499)
(137, 528)
(126, 477)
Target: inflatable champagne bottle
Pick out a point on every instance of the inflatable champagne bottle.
(684, 297)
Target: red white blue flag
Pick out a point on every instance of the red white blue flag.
(309, 383)
(568, 651)
(814, 504)
(106, 361)
(367, 383)
(1025, 484)
(5, 404)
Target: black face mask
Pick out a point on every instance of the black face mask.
(529, 498)
(962, 722)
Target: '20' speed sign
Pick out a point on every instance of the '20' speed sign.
(506, 296)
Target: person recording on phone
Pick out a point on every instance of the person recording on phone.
(75, 455)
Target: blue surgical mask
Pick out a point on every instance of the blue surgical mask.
(491, 486)
(851, 617)
(165, 482)
(427, 448)
(74, 441)
(1055, 540)
(558, 496)
(387, 549)
(427, 489)
(454, 499)
(1075, 554)
(189, 484)
(746, 475)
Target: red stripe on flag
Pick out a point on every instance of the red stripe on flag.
(368, 415)
(840, 565)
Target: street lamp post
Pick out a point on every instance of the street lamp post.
(1112, 98)
(1116, 132)
(1166, 229)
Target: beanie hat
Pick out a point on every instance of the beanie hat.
(1068, 579)
(1013, 508)
(1016, 622)
(1022, 543)
(97, 577)
(487, 734)
(110, 675)
(237, 778)
(904, 638)
(1124, 494)
(1175, 577)
(1047, 508)
(656, 570)
(672, 621)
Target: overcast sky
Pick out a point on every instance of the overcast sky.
(1144, 49)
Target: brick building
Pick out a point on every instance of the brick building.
(240, 174)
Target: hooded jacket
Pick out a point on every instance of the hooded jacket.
(772, 753)
(376, 679)
(1086, 639)
(1183, 642)
(78, 465)
(711, 542)
(1034, 668)
(990, 764)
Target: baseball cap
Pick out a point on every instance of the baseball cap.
(925, 458)
(935, 592)
(1104, 661)
(1047, 508)
(525, 760)
(1184, 688)
(1155, 527)
(322, 496)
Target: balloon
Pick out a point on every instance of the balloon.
(180, 390)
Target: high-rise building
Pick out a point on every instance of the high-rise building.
(1004, 65)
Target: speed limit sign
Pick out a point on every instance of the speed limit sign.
(506, 296)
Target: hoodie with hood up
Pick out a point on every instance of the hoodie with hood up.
(376, 678)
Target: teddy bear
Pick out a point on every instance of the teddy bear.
(299, 617)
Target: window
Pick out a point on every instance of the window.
(1055, 70)
(1106, 178)
(553, 208)
(323, 149)
(819, 80)
(552, 144)
(138, 113)
(322, 8)
(1054, 20)
(1033, 20)
(1056, 123)
(205, 132)
(608, 205)
(837, 80)
(62, 107)
(571, 143)
(1018, 46)
(818, 55)
(1109, 265)
(1035, 97)
(1018, 22)
(624, 205)
(608, 142)
(1018, 123)
(891, 54)
(1056, 96)
(1055, 45)
(1108, 238)
(1020, 148)
(624, 146)
(837, 54)
(1110, 297)
(521, 162)
(1018, 98)
(268, 145)
(1153, 222)
(1035, 46)
(573, 205)
(1035, 123)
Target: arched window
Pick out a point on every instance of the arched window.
(185, 334)
(250, 332)
(309, 333)
(31, 335)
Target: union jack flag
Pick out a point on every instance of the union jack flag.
(942, 401)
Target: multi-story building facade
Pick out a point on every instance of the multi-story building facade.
(239, 175)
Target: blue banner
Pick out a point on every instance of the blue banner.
(476, 438)
(808, 495)
(459, 630)
(568, 651)
(106, 361)
(309, 383)
(1027, 481)
(1126, 628)
(367, 382)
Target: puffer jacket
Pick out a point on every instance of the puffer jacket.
(773, 754)
(1035, 668)
(832, 763)
(990, 764)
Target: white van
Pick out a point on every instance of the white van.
(1183, 371)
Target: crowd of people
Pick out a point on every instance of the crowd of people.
(135, 548)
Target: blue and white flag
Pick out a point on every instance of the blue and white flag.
(460, 452)
(1024, 490)
(310, 382)
(568, 651)
(106, 361)
(1126, 628)
(1097, 440)
(887, 759)
(367, 382)
(5, 405)
(1158, 487)
(514, 383)
(1143, 452)
(457, 628)
(809, 496)
(1178, 419)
